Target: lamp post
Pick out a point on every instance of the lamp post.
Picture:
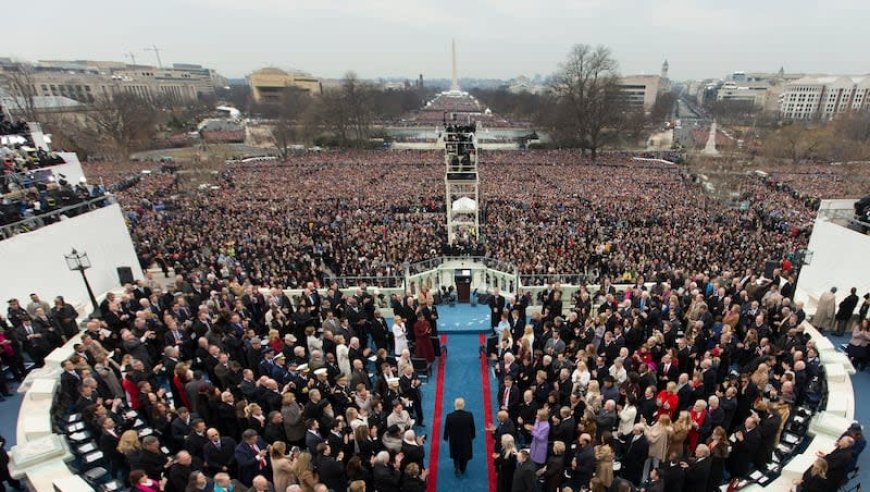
(80, 262)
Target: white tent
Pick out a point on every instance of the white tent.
(464, 204)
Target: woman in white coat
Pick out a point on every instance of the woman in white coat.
(342, 354)
(627, 417)
(399, 335)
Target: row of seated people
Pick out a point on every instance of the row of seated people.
(42, 199)
(24, 157)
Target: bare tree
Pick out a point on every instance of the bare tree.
(19, 82)
(796, 142)
(856, 127)
(357, 99)
(122, 123)
(332, 113)
(294, 103)
(587, 88)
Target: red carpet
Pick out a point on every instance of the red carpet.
(435, 437)
(487, 417)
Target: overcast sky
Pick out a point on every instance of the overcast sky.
(495, 38)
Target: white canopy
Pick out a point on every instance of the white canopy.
(464, 204)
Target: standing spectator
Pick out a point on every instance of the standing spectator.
(747, 442)
(524, 476)
(680, 434)
(540, 435)
(698, 472)
(505, 463)
(859, 345)
(414, 480)
(583, 464)
(400, 338)
(825, 310)
(552, 473)
(386, 475)
(423, 348)
(845, 311)
(635, 455)
(304, 472)
(65, 315)
(719, 450)
(604, 455)
(251, 457)
(496, 304)
(141, 482)
(658, 437)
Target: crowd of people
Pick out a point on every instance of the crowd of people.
(243, 390)
(679, 386)
(366, 213)
(41, 195)
(674, 387)
(548, 213)
(683, 386)
(17, 152)
(351, 214)
(11, 126)
(815, 182)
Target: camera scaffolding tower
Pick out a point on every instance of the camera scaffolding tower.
(461, 179)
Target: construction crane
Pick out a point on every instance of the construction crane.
(156, 51)
(131, 56)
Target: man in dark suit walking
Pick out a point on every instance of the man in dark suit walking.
(459, 432)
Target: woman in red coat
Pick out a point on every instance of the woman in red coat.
(422, 342)
(698, 414)
(667, 401)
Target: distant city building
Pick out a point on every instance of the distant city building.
(268, 84)
(760, 89)
(665, 70)
(641, 91)
(85, 80)
(523, 84)
(824, 97)
(754, 93)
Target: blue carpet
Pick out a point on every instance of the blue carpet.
(462, 325)
(463, 379)
(463, 318)
(9, 415)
